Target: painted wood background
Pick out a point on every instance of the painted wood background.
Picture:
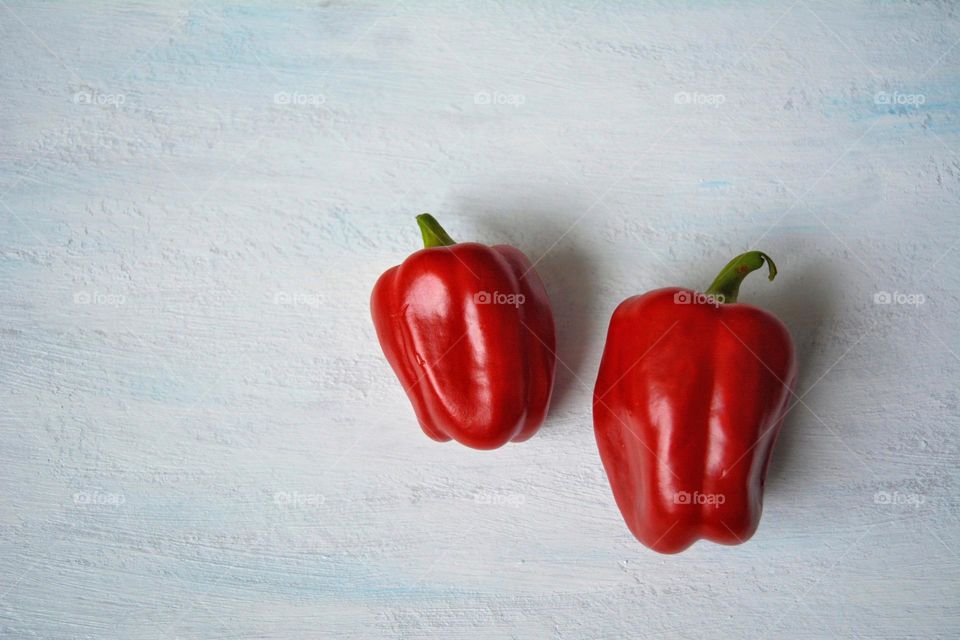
(201, 439)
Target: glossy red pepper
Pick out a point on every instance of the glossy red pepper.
(689, 400)
(469, 332)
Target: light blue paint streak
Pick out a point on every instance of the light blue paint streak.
(714, 184)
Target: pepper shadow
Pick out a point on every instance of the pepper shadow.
(543, 228)
(806, 312)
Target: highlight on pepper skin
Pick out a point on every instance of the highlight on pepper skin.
(468, 330)
(689, 399)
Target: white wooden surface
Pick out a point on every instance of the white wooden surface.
(200, 438)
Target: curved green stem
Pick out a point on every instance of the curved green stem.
(726, 286)
(433, 234)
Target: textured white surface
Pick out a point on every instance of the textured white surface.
(185, 344)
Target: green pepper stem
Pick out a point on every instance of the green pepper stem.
(433, 233)
(726, 286)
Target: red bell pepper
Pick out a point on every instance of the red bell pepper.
(689, 400)
(469, 332)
